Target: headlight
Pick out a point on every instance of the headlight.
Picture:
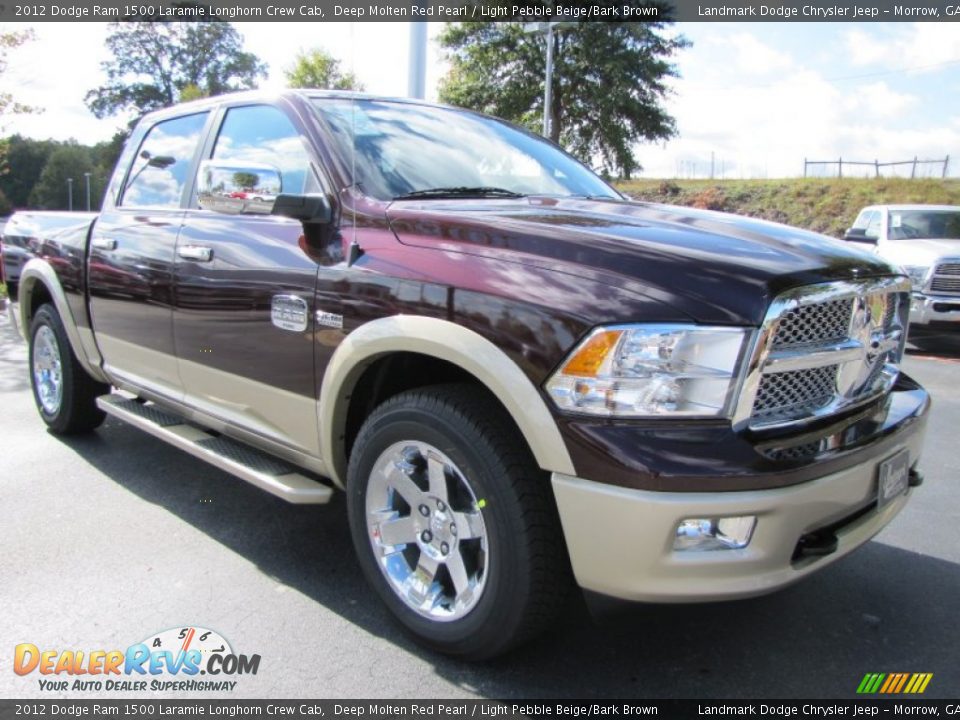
(651, 370)
(917, 274)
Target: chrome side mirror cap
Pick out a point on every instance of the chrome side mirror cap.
(238, 188)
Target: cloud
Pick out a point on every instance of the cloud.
(765, 123)
(902, 46)
(878, 99)
(751, 56)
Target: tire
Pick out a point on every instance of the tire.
(438, 487)
(65, 394)
(12, 289)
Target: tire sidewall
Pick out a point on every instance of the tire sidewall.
(47, 318)
(503, 594)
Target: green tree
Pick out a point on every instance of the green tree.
(319, 69)
(25, 159)
(8, 105)
(155, 64)
(246, 179)
(105, 154)
(608, 82)
(69, 160)
(10, 41)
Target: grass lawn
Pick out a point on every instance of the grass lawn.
(824, 205)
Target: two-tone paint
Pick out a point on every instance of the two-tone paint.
(522, 281)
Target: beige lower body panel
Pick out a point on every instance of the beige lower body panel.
(621, 540)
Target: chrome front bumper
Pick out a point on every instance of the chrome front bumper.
(926, 309)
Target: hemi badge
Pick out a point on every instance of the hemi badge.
(289, 312)
(329, 319)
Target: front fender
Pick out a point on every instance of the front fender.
(452, 343)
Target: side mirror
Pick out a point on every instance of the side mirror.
(238, 188)
(305, 208)
(858, 235)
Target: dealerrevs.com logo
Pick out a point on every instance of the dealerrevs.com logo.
(180, 659)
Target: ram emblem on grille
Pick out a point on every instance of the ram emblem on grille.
(866, 328)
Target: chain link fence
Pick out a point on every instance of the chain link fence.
(915, 168)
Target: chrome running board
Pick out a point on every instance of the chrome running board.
(245, 462)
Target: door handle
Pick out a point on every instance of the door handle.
(104, 243)
(195, 252)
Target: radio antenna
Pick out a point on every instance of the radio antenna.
(354, 245)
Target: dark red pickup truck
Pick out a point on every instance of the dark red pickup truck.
(519, 378)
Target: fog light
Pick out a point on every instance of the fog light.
(729, 533)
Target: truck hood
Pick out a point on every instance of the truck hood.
(919, 252)
(713, 267)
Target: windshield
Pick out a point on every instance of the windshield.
(928, 224)
(404, 148)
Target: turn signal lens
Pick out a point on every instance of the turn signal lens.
(588, 358)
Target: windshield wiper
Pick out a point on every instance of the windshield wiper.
(455, 192)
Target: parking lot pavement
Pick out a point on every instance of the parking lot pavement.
(110, 538)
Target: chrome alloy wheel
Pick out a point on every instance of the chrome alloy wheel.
(47, 371)
(426, 530)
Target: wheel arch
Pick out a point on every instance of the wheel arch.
(38, 285)
(454, 344)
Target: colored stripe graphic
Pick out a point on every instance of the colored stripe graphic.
(894, 683)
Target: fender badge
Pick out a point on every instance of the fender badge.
(289, 312)
(329, 319)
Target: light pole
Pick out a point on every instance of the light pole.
(86, 181)
(417, 63)
(547, 27)
(70, 194)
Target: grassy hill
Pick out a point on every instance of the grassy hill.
(825, 205)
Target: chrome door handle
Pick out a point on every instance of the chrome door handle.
(103, 243)
(195, 252)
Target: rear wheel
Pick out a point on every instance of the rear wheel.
(65, 395)
(453, 522)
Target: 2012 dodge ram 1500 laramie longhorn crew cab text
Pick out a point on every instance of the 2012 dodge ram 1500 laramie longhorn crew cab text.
(518, 377)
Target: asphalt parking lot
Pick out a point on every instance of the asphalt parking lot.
(107, 539)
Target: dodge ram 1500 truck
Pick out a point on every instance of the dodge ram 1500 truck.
(923, 240)
(519, 377)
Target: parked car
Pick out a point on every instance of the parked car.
(924, 240)
(14, 253)
(518, 377)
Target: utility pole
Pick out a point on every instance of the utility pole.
(70, 194)
(86, 181)
(548, 28)
(417, 64)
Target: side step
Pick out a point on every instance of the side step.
(256, 467)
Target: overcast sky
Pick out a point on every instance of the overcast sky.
(759, 97)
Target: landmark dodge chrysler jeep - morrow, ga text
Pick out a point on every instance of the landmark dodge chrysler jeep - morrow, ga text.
(518, 377)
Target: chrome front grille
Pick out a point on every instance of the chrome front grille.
(808, 324)
(948, 268)
(945, 284)
(946, 277)
(795, 392)
(823, 349)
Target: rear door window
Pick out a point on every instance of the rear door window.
(162, 165)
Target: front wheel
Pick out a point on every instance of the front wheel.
(453, 522)
(65, 395)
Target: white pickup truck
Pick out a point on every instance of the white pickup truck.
(925, 241)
